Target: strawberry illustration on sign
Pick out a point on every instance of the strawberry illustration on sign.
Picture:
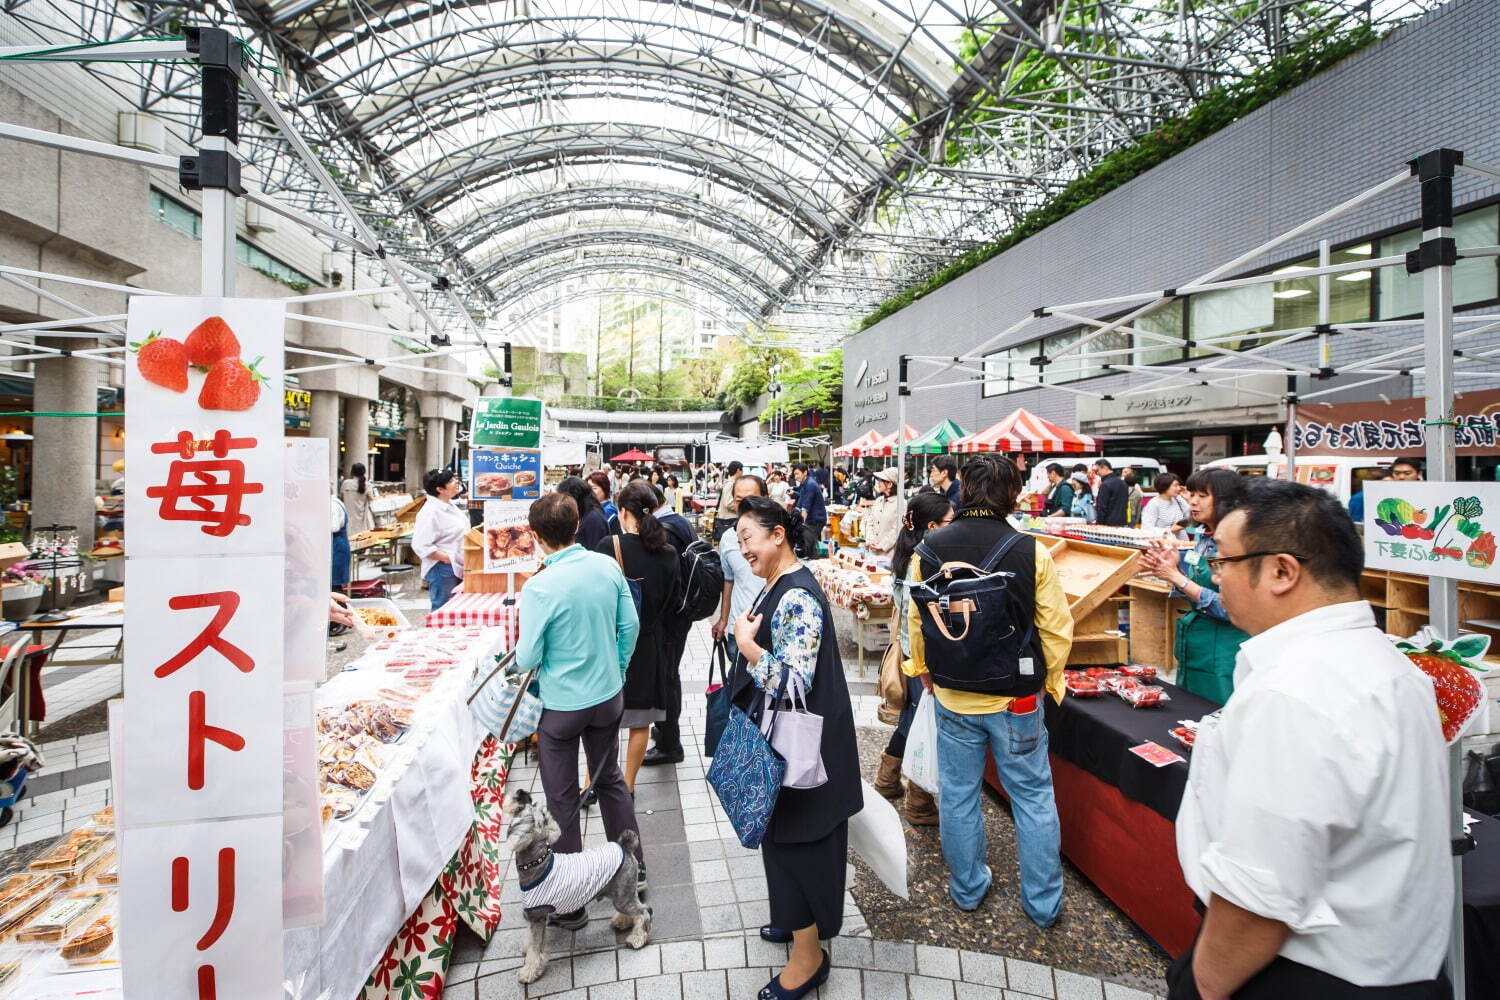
(211, 341)
(1454, 670)
(162, 361)
(231, 385)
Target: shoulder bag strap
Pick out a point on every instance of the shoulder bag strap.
(618, 557)
(503, 665)
(999, 551)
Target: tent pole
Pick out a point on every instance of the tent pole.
(901, 393)
(1435, 258)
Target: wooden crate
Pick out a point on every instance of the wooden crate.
(1091, 573)
(1093, 645)
(1153, 622)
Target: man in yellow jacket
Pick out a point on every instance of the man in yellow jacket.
(1010, 726)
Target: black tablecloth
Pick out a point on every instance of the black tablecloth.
(1096, 734)
(1482, 912)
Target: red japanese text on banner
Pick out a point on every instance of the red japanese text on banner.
(201, 786)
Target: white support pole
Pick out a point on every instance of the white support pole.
(1436, 258)
(901, 394)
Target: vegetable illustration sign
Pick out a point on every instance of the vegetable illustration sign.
(1433, 529)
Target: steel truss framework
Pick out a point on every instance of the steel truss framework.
(815, 155)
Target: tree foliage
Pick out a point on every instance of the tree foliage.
(816, 385)
(1217, 108)
(751, 374)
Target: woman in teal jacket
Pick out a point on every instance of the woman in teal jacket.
(1206, 643)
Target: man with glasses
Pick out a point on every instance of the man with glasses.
(1314, 827)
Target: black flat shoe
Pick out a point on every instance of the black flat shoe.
(775, 991)
(656, 756)
(775, 935)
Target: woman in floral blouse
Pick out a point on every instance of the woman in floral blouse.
(787, 637)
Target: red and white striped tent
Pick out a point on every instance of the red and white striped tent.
(859, 447)
(886, 446)
(1025, 431)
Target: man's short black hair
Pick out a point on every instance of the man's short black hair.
(1103, 463)
(1415, 464)
(991, 481)
(735, 468)
(799, 467)
(1305, 521)
(948, 464)
(1055, 469)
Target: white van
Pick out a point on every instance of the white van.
(1146, 471)
(1341, 475)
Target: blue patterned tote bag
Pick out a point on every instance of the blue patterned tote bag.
(746, 775)
(503, 703)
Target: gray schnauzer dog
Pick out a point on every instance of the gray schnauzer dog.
(563, 883)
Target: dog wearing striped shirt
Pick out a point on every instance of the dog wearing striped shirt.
(562, 883)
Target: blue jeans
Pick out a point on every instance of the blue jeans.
(440, 583)
(1019, 743)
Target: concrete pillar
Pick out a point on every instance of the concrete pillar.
(450, 440)
(323, 422)
(66, 447)
(435, 458)
(356, 431)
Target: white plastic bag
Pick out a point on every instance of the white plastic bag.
(920, 763)
(875, 834)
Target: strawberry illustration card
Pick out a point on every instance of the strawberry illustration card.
(1454, 668)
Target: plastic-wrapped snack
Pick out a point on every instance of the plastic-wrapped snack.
(10, 974)
(1102, 674)
(22, 894)
(70, 858)
(92, 943)
(64, 916)
(1143, 695)
(1142, 671)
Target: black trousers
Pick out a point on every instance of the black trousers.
(669, 730)
(1284, 979)
(598, 729)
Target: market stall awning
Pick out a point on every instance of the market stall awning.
(1025, 431)
(860, 446)
(633, 455)
(886, 446)
(936, 440)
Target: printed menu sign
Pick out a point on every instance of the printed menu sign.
(508, 545)
(506, 475)
(506, 422)
(201, 787)
(1433, 529)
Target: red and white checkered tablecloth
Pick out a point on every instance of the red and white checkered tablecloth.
(489, 610)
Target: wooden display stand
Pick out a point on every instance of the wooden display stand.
(1091, 574)
(1153, 622)
(476, 581)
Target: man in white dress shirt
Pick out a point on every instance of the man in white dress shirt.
(1315, 823)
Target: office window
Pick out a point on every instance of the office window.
(1002, 366)
(253, 256)
(1166, 321)
(1230, 317)
(1474, 280)
(175, 214)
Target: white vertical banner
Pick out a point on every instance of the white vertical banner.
(201, 789)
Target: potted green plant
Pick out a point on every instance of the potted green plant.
(23, 588)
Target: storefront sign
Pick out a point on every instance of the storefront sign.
(506, 422)
(1181, 403)
(871, 418)
(201, 790)
(508, 545)
(506, 474)
(1433, 529)
(1397, 427)
(1209, 448)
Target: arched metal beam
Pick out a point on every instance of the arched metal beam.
(530, 279)
(676, 204)
(562, 241)
(600, 291)
(853, 33)
(439, 183)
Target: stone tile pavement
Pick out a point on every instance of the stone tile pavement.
(708, 897)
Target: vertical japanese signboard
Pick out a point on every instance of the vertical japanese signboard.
(1433, 529)
(201, 854)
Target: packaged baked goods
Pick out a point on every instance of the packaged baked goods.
(71, 857)
(64, 915)
(92, 942)
(22, 894)
(10, 975)
(1142, 695)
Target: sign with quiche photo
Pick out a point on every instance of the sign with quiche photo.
(506, 474)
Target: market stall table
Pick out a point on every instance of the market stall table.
(50, 635)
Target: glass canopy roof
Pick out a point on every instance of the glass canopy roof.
(795, 161)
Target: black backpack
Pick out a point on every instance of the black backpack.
(700, 583)
(972, 626)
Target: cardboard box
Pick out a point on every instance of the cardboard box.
(12, 553)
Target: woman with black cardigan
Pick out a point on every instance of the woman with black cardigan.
(592, 525)
(788, 634)
(646, 558)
